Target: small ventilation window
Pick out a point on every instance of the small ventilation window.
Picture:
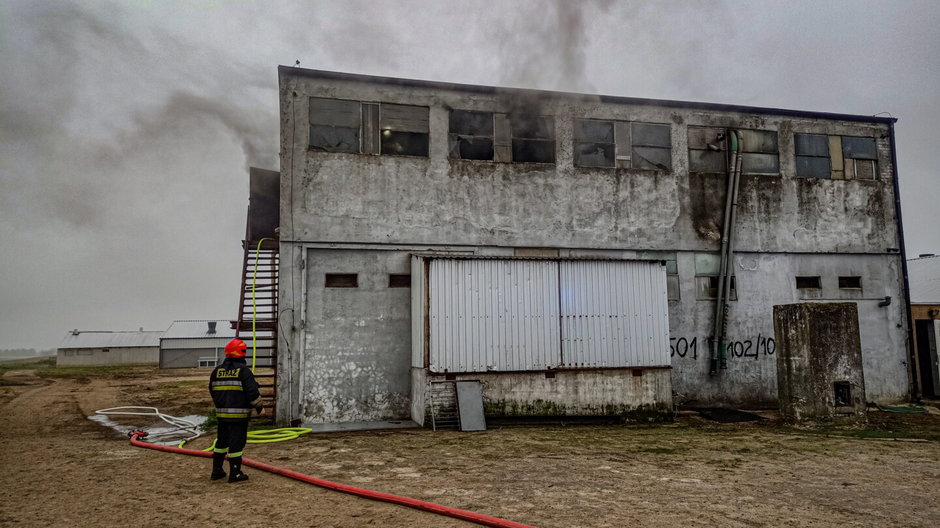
(843, 393)
(808, 283)
(341, 280)
(850, 283)
(396, 280)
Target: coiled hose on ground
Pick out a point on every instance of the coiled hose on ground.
(456, 513)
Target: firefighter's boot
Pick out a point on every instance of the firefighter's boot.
(235, 470)
(218, 459)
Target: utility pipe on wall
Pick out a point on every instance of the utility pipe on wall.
(719, 353)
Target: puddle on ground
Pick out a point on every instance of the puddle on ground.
(158, 431)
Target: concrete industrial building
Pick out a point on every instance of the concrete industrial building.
(88, 348)
(192, 344)
(437, 232)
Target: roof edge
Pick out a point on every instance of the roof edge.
(358, 77)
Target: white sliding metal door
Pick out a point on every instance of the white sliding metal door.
(493, 315)
(613, 314)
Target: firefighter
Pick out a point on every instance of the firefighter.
(235, 393)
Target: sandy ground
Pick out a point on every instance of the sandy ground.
(61, 469)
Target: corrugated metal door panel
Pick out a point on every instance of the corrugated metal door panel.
(614, 314)
(491, 315)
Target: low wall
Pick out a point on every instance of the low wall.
(632, 394)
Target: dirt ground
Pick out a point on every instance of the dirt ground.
(57, 468)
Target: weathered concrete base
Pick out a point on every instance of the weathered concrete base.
(819, 362)
(637, 395)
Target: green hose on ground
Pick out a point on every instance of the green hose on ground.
(903, 409)
(268, 436)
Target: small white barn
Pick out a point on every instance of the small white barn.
(89, 348)
(189, 344)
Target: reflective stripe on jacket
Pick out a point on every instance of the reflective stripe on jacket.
(234, 390)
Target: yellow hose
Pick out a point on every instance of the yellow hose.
(267, 436)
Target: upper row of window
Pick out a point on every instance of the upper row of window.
(383, 128)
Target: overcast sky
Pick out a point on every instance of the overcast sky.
(126, 127)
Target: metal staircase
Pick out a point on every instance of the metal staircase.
(257, 313)
(442, 396)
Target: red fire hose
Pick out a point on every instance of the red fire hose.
(465, 515)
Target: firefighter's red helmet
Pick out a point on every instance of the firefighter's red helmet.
(235, 348)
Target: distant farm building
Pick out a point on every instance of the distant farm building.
(191, 344)
(87, 348)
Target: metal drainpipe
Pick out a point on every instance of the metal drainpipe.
(717, 331)
(729, 265)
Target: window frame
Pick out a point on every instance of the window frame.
(375, 126)
(625, 150)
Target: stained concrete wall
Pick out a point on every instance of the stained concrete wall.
(599, 392)
(787, 226)
(819, 347)
(357, 341)
(68, 357)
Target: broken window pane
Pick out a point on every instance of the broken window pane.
(707, 161)
(812, 145)
(334, 139)
(813, 167)
(753, 163)
(652, 158)
(528, 127)
(594, 155)
(859, 148)
(594, 131)
(404, 143)
(470, 123)
(712, 139)
(472, 148)
(650, 135)
(533, 151)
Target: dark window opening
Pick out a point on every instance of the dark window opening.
(533, 151)
(853, 283)
(396, 280)
(707, 287)
(859, 148)
(404, 143)
(812, 156)
(334, 125)
(533, 139)
(808, 283)
(609, 144)
(354, 127)
(334, 139)
(471, 135)
(341, 280)
(637, 373)
(843, 393)
(594, 155)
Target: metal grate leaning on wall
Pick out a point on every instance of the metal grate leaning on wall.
(517, 315)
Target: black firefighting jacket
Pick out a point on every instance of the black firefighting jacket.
(234, 390)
